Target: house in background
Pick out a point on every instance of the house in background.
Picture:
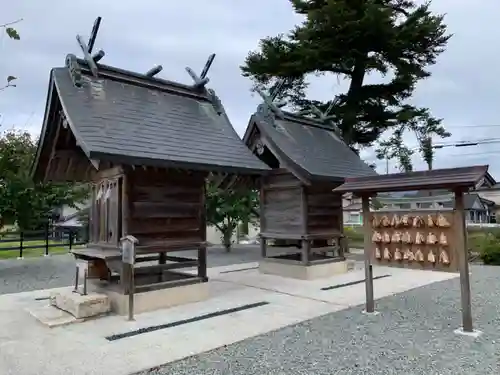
(491, 194)
(68, 217)
(482, 204)
(478, 210)
(351, 210)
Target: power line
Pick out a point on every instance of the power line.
(477, 153)
(473, 126)
(469, 143)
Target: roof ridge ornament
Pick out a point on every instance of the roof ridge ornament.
(273, 107)
(89, 46)
(325, 116)
(74, 70)
(201, 80)
(154, 71)
(216, 102)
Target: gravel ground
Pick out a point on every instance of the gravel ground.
(59, 270)
(412, 335)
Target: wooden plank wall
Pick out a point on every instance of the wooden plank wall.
(324, 209)
(105, 212)
(165, 206)
(281, 196)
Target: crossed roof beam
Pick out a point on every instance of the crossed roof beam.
(200, 81)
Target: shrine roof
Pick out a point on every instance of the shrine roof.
(307, 146)
(132, 118)
(449, 178)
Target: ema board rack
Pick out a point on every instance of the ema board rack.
(420, 240)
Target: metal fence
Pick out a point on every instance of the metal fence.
(50, 239)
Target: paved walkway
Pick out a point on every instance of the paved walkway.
(349, 343)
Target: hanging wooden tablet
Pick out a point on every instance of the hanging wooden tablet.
(418, 222)
(419, 239)
(396, 237)
(387, 254)
(430, 221)
(419, 256)
(431, 239)
(385, 222)
(442, 221)
(431, 257)
(398, 255)
(443, 257)
(376, 237)
(443, 240)
(395, 221)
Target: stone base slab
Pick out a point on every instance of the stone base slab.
(51, 316)
(297, 271)
(156, 299)
(79, 306)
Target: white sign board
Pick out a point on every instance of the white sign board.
(82, 265)
(128, 252)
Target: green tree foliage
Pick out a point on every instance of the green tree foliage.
(424, 127)
(12, 33)
(227, 208)
(21, 200)
(352, 39)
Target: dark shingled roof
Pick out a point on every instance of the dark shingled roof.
(129, 118)
(308, 145)
(464, 177)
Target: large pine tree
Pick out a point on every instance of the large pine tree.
(351, 39)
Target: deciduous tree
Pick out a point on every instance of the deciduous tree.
(226, 208)
(21, 200)
(424, 128)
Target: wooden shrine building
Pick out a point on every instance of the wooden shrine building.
(308, 159)
(146, 146)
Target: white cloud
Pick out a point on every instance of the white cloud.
(136, 35)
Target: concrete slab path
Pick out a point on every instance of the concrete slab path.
(29, 348)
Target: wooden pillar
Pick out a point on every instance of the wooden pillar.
(263, 247)
(370, 303)
(202, 251)
(125, 271)
(463, 261)
(306, 244)
(306, 250)
(262, 217)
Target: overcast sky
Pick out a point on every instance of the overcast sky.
(139, 34)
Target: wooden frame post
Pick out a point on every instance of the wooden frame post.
(370, 303)
(463, 262)
(127, 245)
(263, 226)
(305, 243)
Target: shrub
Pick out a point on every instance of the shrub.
(489, 248)
(354, 234)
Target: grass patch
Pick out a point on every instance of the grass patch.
(55, 247)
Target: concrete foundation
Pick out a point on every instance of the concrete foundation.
(301, 272)
(79, 306)
(156, 299)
